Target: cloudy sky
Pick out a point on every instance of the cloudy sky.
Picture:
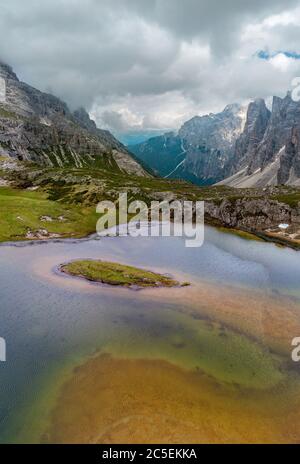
(143, 65)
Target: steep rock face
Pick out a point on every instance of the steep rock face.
(285, 115)
(39, 127)
(201, 150)
(289, 169)
(209, 141)
(269, 154)
(258, 117)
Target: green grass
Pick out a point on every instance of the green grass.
(292, 199)
(78, 190)
(21, 210)
(8, 114)
(89, 185)
(117, 274)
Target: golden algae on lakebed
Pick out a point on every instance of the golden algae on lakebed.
(113, 400)
(196, 382)
(207, 363)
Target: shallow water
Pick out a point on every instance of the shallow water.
(233, 326)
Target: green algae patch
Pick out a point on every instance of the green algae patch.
(240, 233)
(232, 359)
(110, 273)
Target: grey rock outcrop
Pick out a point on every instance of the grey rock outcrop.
(252, 214)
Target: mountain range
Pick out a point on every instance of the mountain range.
(38, 127)
(240, 147)
(201, 150)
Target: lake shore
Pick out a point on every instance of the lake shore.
(30, 215)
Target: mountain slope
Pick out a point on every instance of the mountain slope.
(38, 127)
(162, 152)
(201, 150)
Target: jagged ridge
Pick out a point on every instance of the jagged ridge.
(267, 152)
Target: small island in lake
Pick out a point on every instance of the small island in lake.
(118, 274)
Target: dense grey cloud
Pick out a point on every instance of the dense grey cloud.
(151, 64)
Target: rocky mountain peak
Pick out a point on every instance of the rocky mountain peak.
(201, 149)
(256, 108)
(6, 72)
(267, 152)
(39, 127)
(257, 119)
(232, 108)
(253, 146)
(284, 116)
(83, 118)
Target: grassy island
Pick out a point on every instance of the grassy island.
(118, 274)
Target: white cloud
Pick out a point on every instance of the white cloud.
(164, 111)
(140, 64)
(281, 62)
(284, 19)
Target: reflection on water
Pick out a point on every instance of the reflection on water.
(223, 341)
